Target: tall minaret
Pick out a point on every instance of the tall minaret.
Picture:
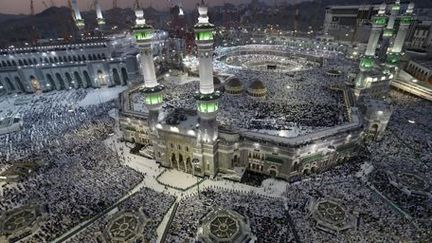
(79, 21)
(99, 17)
(207, 98)
(389, 31)
(153, 92)
(367, 62)
(378, 23)
(393, 57)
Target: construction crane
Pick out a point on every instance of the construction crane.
(34, 33)
(92, 5)
(45, 4)
(32, 10)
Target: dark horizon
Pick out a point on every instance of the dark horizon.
(23, 6)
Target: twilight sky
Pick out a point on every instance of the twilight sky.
(23, 6)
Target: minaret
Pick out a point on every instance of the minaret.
(367, 62)
(207, 98)
(393, 57)
(79, 21)
(378, 23)
(153, 92)
(99, 17)
(389, 31)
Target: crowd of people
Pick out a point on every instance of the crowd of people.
(79, 175)
(146, 203)
(262, 62)
(269, 219)
(374, 219)
(302, 100)
(46, 119)
(405, 148)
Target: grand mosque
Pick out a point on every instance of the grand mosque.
(206, 130)
(194, 141)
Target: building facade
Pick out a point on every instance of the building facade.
(98, 63)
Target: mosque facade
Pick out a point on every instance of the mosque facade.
(102, 62)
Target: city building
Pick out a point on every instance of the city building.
(93, 63)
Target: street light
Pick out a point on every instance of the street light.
(195, 163)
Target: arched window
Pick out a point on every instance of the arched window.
(116, 77)
(51, 82)
(19, 84)
(124, 75)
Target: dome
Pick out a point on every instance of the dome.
(234, 82)
(257, 84)
(233, 86)
(257, 89)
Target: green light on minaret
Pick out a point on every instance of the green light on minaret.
(208, 107)
(80, 23)
(406, 20)
(393, 59)
(379, 20)
(153, 99)
(142, 34)
(366, 63)
(396, 7)
(203, 36)
(388, 33)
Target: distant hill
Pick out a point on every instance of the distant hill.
(5, 17)
(52, 23)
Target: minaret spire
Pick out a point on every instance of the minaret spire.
(152, 91)
(207, 99)
(99, 17)
(79, 21)
(393, 57)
